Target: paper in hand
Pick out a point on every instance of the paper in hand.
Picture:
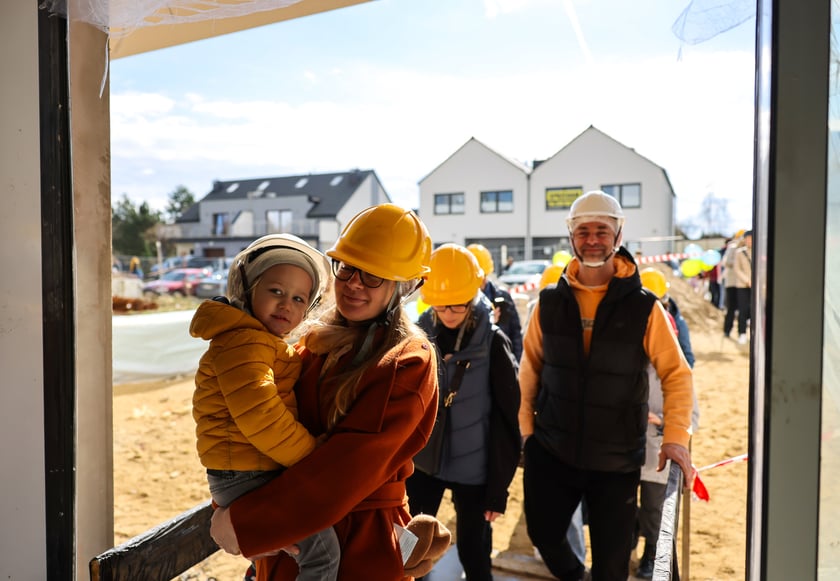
(407, 540)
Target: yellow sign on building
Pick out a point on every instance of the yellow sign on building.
(560, 198)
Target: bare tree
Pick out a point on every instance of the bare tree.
(714, 215)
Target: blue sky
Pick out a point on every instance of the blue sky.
(398, 85)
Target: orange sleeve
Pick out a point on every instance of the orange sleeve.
(530, 369)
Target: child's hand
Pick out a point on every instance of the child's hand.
(654, 419)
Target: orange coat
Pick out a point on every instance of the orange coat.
(356, 479)
(244, 401)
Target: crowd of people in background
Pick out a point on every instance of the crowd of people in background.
(594, 400)
(737, 284)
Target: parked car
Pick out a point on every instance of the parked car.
(158, 269)
(213, 285)
(523, 271)
(210, 262)
(177, 282)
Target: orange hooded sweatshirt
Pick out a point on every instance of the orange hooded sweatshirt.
(660, 344)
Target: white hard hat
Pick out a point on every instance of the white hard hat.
(271, 250)
(596, 206)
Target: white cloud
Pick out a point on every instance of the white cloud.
(693, 117)
(494, 8)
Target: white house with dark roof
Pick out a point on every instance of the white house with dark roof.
(312, 206)
(595, 161)
(479, 195)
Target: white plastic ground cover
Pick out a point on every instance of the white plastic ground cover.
(147, 347)
(122, 17)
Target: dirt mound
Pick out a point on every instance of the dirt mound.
(691, 296)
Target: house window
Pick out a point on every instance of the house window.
(278, 221)
(561, 198)
(628, 195)
(221, 224)
(496, 202)
(449, 203)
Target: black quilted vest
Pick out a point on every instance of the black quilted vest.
(592, 411)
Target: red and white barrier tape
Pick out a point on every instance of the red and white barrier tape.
(741, 458)
(698, 488)
(661, 258)
(528, 286)
(524, 287)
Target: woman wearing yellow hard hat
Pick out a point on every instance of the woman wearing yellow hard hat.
(507, 315)
(475, 450)
(368, 388)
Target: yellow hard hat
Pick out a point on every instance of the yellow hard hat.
(387, 241)
(455, 277)
(654, 281)
(550, 275)
(561, 257)
(485, 259)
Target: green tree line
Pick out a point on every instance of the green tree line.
(135, 227)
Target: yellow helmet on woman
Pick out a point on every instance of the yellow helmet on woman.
(550, 275)
(387, 241)
(485, 259)
(455, 277)
(654, 281)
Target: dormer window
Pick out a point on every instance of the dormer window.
(301, 182)
(232, 187)
(336, 180)
(263, 186)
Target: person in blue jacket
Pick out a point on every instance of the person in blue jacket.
(479, 403)
(505, 313)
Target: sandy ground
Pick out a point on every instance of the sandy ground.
(157, 474)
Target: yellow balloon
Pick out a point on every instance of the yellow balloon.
(561, 257)
(421, 306)
(691, 267)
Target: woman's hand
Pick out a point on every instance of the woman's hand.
(221, 531)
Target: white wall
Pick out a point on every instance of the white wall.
(91, 171)
(473, 169)
(22, 512)
(591, 161)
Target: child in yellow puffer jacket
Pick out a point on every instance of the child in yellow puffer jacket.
(244, 403)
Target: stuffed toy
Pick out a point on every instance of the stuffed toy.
(433, 540)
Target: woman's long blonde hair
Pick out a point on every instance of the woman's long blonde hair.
(333, 328)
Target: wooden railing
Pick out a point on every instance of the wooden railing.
(161, 553)
(665, 566)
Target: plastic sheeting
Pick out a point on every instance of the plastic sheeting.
(154, 346)
(122, 17)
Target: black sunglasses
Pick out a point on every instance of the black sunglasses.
(457, 309)
(345, 272)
